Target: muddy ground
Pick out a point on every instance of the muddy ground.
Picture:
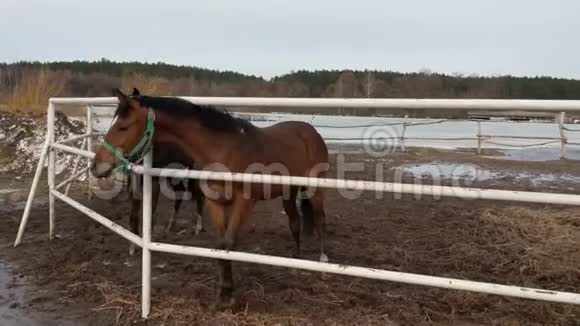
(86, 276)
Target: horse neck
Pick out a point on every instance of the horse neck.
(199, 143)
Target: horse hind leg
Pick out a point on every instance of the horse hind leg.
(293, 219)
(313, 213)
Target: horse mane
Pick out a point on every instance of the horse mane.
(209, 116)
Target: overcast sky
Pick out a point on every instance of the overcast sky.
(269, 37)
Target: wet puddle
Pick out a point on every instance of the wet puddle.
(13, 308)
(11, 313)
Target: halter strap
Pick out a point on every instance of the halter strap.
(139, 150)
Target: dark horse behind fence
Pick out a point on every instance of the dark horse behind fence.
(217, 141)
(166, 156)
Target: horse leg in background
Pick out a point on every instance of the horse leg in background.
(134, 220)
(155, 190)
(293, 218)
(137, 203)
(176, 205)
(313, 214)
(197, 195)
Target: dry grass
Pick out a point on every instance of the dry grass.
(33, 89)
(147, 85)
(508, 245)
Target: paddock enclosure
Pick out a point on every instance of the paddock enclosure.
(60, 189)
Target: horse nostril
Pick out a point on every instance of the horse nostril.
(101, 169)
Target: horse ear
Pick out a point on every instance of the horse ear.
(117, 92)
(136, 92)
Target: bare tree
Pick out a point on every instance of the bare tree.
(370, 83)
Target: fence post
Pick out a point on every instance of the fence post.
(403, 149)
(479, 140)
(146, 262)
(32, 193)
(51, 168)
(89, 146)
(563, 138)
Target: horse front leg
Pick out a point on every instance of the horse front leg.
(134, 187)
(240, 211)
(216, 212)
(134, 221)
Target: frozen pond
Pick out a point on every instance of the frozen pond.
(383, 133)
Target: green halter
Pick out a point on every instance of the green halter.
(141, 148)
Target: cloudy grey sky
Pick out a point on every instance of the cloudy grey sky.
(269, 37)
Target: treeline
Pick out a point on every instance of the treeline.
(27, 85)
(119, 69)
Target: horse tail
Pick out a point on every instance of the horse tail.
(307, 212)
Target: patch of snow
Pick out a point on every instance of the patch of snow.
(472, 172)
(436, 170)
(25, 138)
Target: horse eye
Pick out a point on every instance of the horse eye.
(123, 128)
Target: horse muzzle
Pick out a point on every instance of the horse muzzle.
(101, 169)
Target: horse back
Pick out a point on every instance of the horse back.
(295, 144)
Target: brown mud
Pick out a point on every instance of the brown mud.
(86, 275)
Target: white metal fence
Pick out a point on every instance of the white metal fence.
(400, 133)
(399, 130)
(51, 146)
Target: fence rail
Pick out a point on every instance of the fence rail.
(551, 106)
(51, 146)
(479, 138)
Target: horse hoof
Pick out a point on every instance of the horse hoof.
(323, 258)
(225, 300)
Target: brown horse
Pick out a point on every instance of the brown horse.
(217, 141)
